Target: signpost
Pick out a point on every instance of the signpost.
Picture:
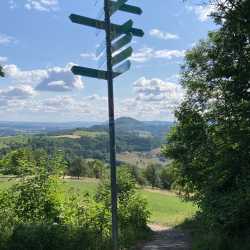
(117, 37)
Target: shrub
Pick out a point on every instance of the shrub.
(36, 214)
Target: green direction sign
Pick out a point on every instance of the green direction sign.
(122, 56)
(115, 6)
(126, 8)
(123, 67)
(123, 41)
(126, 27)
(94, 73)
(101, 25)
(117, 58)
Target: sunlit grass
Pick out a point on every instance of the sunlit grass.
(166, 208)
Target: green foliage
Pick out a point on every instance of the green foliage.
(78, 168)
(210, 144)
(24, 162)
(167, 177)
(87, 168)
(136, 173)
(18, 162)
(133, 214)
(36, 199)
(36, 213)
(152, 175)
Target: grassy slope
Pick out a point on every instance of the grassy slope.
(81, 133)
(166, 208)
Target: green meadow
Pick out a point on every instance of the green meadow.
(166, 208)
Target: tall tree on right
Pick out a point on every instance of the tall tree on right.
(210, 144)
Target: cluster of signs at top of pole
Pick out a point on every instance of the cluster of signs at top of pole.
(121, 36)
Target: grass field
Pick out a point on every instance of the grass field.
(82, 133)
(166, 208)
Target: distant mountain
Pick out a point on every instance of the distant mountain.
(79, 139)
(124, 125)
(129, 125)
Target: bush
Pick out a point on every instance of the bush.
(55, 237)
(133, 214)
(36, 214)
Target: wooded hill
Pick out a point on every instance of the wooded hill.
(92, 142)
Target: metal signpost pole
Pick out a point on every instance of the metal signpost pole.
(111, 125)
(118, 38)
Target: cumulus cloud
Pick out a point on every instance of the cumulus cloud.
(42, 5)
(60, 79)
(152, 90)
(15, 96)
(51, 79)
(203, 12)
(154, 99)
(63, 108)
(163, 35)
(18, 92)
(146, 54)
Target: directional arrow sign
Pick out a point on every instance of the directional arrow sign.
(127, 8)
(126, 27)
(94, 73)
(121, 42)
(101, 25)
(123, 67)
(115, 6)
(122, 56)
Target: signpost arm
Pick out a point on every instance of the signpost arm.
(111, 126)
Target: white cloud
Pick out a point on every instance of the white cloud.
(60, 79)
(5, 39)
(15, 96)
(152, 90)
(18, 92)
(154, 99)
(42, 5)
(163, 35)
(51, 79)
(146, 54)
(203, 12)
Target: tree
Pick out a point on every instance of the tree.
(1, 71)
(210, 144)
(152, 175)
(167, 177)
(18, 162)
(78, 168)
(96, 169)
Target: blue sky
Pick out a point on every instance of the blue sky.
(39, 44)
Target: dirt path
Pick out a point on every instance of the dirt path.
(167, 238)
